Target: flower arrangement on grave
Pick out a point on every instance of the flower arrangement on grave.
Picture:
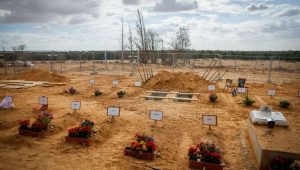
(121, 93)
(281, 163)
(213, 97)
(248, 101)
(97, 92)
(82, 133)
(39, 125)
(284, 103)
(142, 147)
(205, 152)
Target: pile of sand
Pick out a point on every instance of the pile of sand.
(181, 81)
(39, 75)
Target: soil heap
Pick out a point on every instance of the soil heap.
(38, 75)
(180, 81)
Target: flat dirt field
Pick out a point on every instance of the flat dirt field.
(181, 127)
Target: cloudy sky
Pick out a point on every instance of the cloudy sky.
(96, 24)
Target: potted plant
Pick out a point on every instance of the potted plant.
(284, 103)
(98, 92)
(281, 163)
(205, 155)
(121, 93)
(248, 101)
(81, 134)
(38, 127)
(142, 147)
(213, 97)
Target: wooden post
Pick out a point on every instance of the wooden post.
(173, 62)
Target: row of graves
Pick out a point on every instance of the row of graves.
(266, 130)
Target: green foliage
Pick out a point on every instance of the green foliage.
(284, 103)
(98, 92)
(121, 93)
(248, 101)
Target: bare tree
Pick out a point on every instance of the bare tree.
(152, 40)
(19, 52)
(182, 39)
(130, 40)
(140, 40)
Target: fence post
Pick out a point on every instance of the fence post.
(173, 62)
(270, 71)
(80, 61)
(105, 55)
(93, 62)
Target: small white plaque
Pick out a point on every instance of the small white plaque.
(75, 105)
(43, 100)
(115, 82)
(156, 115)
(271, 92)
(92, 81)
(242, 90)
(211, 87)
(138, 84)
(209, 120)
(113, 111)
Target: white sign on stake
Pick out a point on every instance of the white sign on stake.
(43, 100)
(211, 87)
(210, 120)
(137, 83)
(271, 92)
(156, 115)
(113, 111)
(115, 82)
(92, 81)
(242, 90)
(75, 105)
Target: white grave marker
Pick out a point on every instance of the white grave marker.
(156, 115)
(137, 83)
(92, 81)
(242, 90)
(75, 105)
(271, 92)
(43, 100)
(113, 111)
(210, 120)
(115, 82)
(211, 87)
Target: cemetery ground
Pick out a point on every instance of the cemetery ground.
(181, 127)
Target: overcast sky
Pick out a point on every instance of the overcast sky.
(96, 24)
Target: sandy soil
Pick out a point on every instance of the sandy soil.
(182, 125)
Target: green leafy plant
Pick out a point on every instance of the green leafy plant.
(121, 93)
(98, 92)
(284, 103)
(213, 97)
(248, 101)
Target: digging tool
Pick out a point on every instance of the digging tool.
(213, 75)
(212, 67)
(208, 68)
(220, 77)
(140, 74)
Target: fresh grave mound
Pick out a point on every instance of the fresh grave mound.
(39, 75)
(181, 81)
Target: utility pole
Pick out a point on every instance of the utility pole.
(5, 69)
(122, 43)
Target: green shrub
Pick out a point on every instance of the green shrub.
(98, 92)
(121, 93)
(248, 101)
(284, 103)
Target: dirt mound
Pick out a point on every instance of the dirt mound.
(181, 81)
(39, 75)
